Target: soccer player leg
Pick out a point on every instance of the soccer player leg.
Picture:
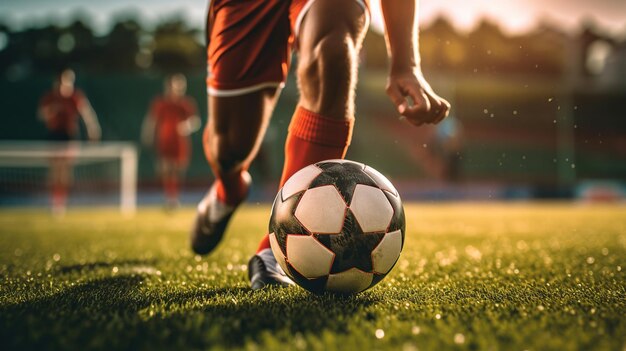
(246, 57)
(61, 175)
(170, 181)
(232, 138)
(329, 38)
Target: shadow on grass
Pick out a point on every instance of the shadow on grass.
(99, 265)
(119, 313)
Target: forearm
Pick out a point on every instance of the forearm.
(401, 34)
(91, 121)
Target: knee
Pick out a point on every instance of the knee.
(232, 158)
(225, 155)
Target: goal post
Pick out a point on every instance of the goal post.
(38, 155)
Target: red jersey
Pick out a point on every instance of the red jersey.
(63, 111)
(168, 113)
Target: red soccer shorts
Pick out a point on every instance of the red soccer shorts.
(250, 42)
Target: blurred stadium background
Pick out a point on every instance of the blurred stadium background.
(538, 105)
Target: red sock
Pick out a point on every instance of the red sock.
(59, 195)
(264, 244)
(231, 188)
(170, 185)
(312, 138)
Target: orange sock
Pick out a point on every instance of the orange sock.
(312, 138)
(231, 188)
(59, 195)
(170, 185)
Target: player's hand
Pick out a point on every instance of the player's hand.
(415, 100)
(188, 126)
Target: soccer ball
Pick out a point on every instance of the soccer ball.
(337, 226)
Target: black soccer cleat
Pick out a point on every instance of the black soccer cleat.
(211, 221)
(260, 276)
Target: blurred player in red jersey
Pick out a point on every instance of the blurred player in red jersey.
(60, 109)
(171, 119)
(249, 49)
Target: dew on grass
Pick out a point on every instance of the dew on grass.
(459, 338)
(473, 252)
(521, 245)
(380, 333)
(438, 316)
(300, 342)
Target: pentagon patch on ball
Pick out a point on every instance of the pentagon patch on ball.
(337, 226)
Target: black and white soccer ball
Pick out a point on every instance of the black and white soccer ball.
(337, 226)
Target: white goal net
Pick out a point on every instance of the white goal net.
(102, 173)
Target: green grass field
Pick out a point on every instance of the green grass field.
(471, 276)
